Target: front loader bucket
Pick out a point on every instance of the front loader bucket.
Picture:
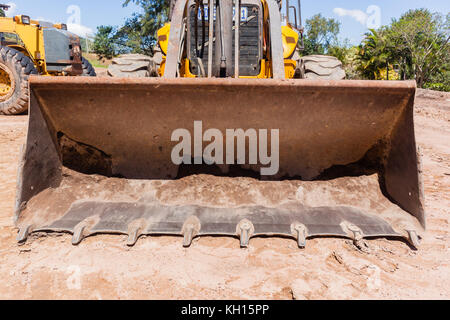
(98, 159)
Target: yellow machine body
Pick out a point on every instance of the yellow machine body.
(27, 36)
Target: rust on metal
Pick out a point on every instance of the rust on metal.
(119, 133)
(75, 67)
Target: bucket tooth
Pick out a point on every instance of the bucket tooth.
(301, 233)
(84, 228)
(356, 234)
(23, 233)
(190, 229)
(188, 236)
(133, 236)
(413, 238)
(245, 231)
(78, 235)
(135, 229)
(244, 237)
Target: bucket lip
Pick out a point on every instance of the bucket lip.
(410, 85)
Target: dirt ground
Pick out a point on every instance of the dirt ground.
(103, 267)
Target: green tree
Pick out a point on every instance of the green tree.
(418, 43)
(2, 13)
(346, 53)
(422, 38)
(105, 42)
(321, 34)
(374, 54)
(139, 32)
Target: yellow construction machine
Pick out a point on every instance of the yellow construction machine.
(237, 136)
(35, 47)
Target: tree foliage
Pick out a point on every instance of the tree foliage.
(418, 43)
(138, 34)
(104, 42)
(375, 54)
(321, 34)
(139, 31)
(346, 53)
(423, 38)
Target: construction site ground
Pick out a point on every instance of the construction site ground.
(103, 267)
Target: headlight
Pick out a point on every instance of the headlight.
(25, 19)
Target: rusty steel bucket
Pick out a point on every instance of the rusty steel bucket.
(98, 159)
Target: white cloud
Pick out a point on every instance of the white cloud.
(80, 30)
(358, 15)
(11, 10)
(371, 18)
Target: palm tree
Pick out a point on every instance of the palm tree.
(374, 54)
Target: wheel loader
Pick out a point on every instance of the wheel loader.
(35, 47)
(236, 137)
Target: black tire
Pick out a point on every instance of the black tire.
(133, 66)
(18, 67)
(323, 68)
(88, 69)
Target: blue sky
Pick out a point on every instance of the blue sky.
(355, 15)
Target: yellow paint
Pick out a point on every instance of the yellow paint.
(162, 67)
(32, 36)
(60, 26)
(263, 74)
(290, 41)
(186, 70)
(163, 38)
(5, 83)
(289, 68)
(382, 74)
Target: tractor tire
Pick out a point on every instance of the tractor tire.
(15, 68)
(88, 69)
(323, 68)
(133, 66)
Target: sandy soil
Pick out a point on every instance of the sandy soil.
(103, 267)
